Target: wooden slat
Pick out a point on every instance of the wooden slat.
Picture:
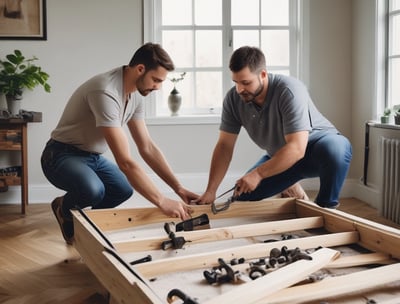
(114, 219)
(225, 233)
(361, 259)
(127, 286)
(276, 280)
(337, 286)
(106, 267)
(203, 260)
(373, 236)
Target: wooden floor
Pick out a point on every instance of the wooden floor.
(36, 266)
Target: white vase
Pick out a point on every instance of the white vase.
(174, 102)
(13, 105)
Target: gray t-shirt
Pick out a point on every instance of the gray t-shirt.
(97, 102)
(288, 108)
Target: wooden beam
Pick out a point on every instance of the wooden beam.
(373, 236)
(361, 259)
(114, 219)
(122, 284)
(276, 280)
(106, 267)
(224, 233)
(209, 259)
(356, 260)
(334, 287)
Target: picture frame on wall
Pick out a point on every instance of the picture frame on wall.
(23, 20)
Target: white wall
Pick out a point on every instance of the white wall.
(87, 37)
(365, 98)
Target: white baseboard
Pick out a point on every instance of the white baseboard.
(196, 183)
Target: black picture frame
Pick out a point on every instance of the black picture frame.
(23, 20)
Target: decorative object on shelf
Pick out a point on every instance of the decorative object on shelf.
(175, 98)
(18, 73)
(386, 115)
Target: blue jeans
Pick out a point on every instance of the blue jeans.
(327, 156)
(89, 179)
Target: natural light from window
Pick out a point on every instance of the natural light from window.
(201, 40)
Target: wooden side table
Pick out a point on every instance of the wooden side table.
(14, 137)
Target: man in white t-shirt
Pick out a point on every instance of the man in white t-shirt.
(92, 122)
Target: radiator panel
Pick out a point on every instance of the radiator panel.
(391, 179)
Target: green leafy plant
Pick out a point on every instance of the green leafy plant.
(385, 115)
(387, 112)
(397, 115)
(18, 73)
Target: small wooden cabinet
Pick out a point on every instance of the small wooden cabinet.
(14, 137)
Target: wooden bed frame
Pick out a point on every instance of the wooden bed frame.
(359, 259)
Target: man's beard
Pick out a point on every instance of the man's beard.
(249, 96)
(140, 87)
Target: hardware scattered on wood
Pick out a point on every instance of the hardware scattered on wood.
(147, 258)
(175, 294)
(175, 242)
(221, 274)
(199, 222)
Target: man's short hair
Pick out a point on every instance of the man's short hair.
(247, 56)
(152, 55)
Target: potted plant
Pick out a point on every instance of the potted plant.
(397, 116)
(18, 73)
(174, 98)
(386, 115)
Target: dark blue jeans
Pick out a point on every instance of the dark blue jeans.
(327, 156)
(89, 179)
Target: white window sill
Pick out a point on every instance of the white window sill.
(184, 120)
(378, 124)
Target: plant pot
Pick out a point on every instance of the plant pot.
(397, 119)
(14, 104)
(384, 119)
(174, 102)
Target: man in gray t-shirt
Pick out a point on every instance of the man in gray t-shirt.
(92, 122)
(280, 117)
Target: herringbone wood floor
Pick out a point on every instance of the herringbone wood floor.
(37, 267)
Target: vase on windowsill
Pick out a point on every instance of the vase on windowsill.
(174, 102)
(175, 98)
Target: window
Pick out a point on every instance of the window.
(393, 55)
(200, 36)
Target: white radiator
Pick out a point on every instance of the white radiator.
(391, 179)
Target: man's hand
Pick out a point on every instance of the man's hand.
(176, 209)
(248, 182)
(205, 199)
(186, 195)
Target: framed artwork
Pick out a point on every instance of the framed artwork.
(23, 20)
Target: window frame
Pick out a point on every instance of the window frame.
(298, 56)
(390, 14)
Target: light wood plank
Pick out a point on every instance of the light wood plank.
(114, 219)
(207, 260)
(373, 236)
(337, 286)
(362, 259)
(225, 233)
(277, 280)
